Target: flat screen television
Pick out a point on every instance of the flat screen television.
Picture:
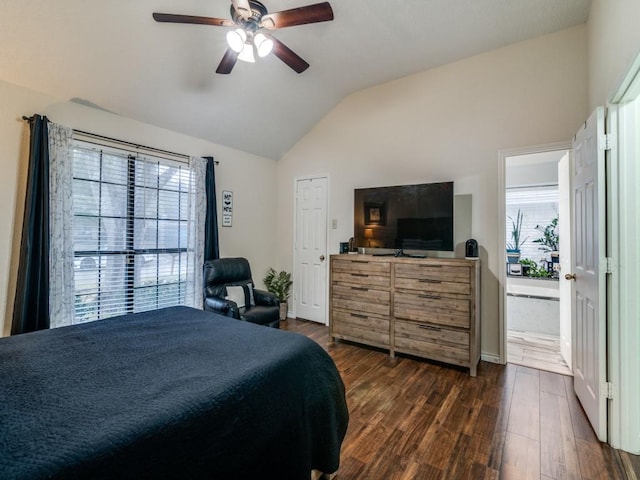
(407, 217)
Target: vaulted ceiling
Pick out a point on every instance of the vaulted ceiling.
(113, 55)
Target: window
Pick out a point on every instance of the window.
(130, 232)
(539, 206)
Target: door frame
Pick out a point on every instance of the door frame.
(293, 307)
(623, 309)
(502, 222)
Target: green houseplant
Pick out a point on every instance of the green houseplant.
(550, 240)
(531, 269)
(279, 283)
(513, 247)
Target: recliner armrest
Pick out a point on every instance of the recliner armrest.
(263, 297)
(222, 306)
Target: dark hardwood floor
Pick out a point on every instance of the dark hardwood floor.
(414, 419)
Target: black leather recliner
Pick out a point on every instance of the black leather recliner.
(235, 272)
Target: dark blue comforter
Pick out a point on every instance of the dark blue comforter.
(176, 393)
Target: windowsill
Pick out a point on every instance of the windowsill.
(535, 286)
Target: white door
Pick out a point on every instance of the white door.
(588, 271)
(310, 271)
(564, 231)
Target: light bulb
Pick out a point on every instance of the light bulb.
(246, 55)
(236, 39)
(263, 44)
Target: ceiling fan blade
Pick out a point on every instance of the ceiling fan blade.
(228, 62)
(288, 56)
(319, 12)
(242, 7)
(172, 18)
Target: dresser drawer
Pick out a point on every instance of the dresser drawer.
(446, 273)
(364, 279)
(363, 327)
(435, 342)
(362, 266)
(437, 308)
(360, 272)
(360, 299)
(434, 278)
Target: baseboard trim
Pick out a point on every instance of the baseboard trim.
(491, 358)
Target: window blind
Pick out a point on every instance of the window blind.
(130, 232)
(539, 205)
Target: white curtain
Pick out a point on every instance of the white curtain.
(195, 240)
(62, 287)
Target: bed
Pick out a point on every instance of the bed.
(174, 393)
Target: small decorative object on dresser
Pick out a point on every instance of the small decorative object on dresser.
(427, 307)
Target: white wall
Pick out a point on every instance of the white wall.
(614, 43)
(444, 124)
(251, 178)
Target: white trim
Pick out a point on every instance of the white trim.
(293, 312)
(491, 358)
(629, 87)
(502, 273)
(613, 290)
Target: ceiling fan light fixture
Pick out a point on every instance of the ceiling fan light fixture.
(263, 44)
(236, 39)
(246, 55)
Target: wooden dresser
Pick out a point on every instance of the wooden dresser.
(427, 307)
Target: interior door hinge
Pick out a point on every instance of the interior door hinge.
(609, 140)
(607, 390)
(609, 265)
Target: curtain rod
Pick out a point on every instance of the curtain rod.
(130, 144)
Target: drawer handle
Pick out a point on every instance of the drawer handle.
(431, 266)
(359, 315)
(429, 327)
(360, 261)
(359, 275)
(429, 280)
(361, 289)
(433, 297)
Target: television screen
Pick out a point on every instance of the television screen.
(407, 217)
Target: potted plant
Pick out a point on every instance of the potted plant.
(528, 267)
(279, 283)
(550, 241)
(513, 247)
(533, 270)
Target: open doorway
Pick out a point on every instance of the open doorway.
(536, 310)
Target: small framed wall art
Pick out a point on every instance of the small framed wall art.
(375, 213)
(227, 208)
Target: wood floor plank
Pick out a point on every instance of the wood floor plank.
(558, 454)
(412, 419)
(551, 383)
(631, 464)
(521, 458)
(537, 350)
(524, 418)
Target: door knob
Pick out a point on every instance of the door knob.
(322, 258)
(570, 276)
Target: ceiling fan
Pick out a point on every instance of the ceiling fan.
(251, 18)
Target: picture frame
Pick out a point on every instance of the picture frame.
(227, 208)
(375, 213)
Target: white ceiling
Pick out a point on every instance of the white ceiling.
(113, 55)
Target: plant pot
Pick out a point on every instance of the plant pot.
(513, 256)
(283, 310)
(555, 257)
